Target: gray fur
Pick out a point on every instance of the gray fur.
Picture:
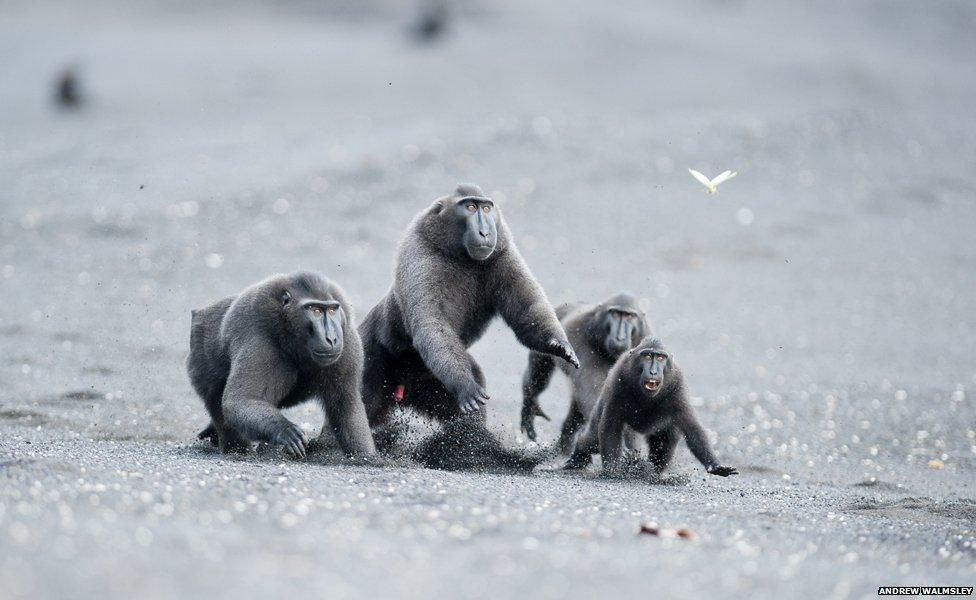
(455, 271)
(265, 349)
(662, 414)
(599, 333)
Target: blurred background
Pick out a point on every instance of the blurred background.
(155, 156)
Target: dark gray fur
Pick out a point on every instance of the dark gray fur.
(663, 414)
(599, 334)
(264, 350)
(455, 271)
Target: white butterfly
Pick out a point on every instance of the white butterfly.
(711, 185)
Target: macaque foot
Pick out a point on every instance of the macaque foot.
(232, 443)
(529, 413)
(576, 462)
(326, 440)
(722, 471)
(210, 433)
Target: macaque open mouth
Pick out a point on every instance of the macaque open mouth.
(651, 384)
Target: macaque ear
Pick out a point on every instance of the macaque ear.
(440, 204)
(642, 328)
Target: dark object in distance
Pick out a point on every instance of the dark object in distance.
(599, 334)
(431, 23)
(682, 532)
(280, 342)
(645, 391)
(67, 91)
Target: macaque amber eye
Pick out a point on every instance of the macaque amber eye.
(317, 311)
(486, 208)
(471, 208)
(661, 358)
(332, 310)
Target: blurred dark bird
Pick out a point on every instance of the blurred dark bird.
(67, 92)
(431, 23)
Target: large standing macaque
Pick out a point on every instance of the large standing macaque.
(456, 269)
